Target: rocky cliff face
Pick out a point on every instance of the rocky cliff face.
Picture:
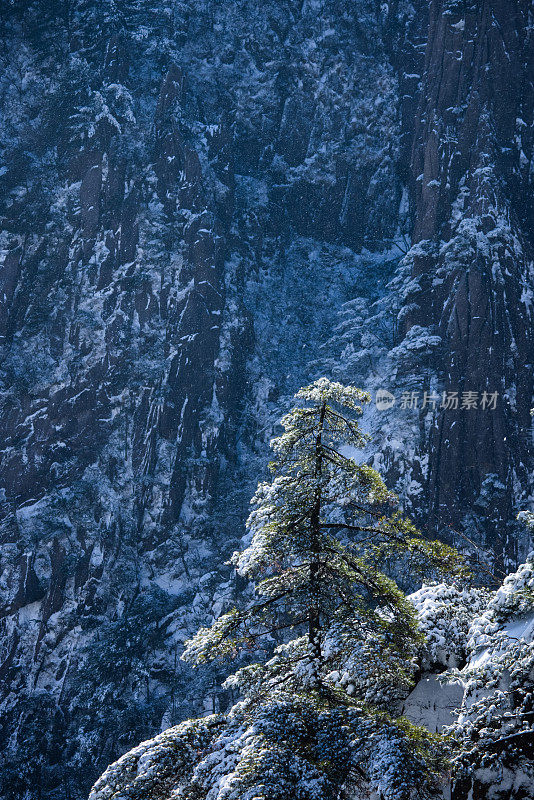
(471, 261)
(189, 196)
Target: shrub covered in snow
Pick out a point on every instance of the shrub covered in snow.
(445, 615)
(495, 727)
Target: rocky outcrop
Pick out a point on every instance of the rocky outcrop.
(471, 259)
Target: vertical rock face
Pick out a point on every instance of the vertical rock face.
(189, 194)
(185, 193)
(471, 261)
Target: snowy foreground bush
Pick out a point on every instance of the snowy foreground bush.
(486, 639)
(495, 727)
(326, 711)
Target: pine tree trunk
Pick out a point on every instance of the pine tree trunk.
(314, 622)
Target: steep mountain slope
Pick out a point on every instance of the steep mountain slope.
(190, 194)
(185, 195)
(471, 261)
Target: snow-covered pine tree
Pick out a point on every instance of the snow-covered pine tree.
(321, 712)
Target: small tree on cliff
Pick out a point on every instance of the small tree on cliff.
(321, 533)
